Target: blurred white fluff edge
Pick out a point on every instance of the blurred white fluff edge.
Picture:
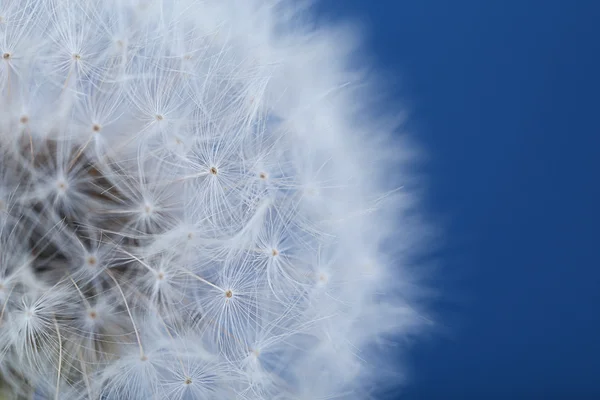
(199, 199)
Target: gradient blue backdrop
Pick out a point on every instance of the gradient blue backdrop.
(504, 95)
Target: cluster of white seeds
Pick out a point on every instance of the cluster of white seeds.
(192, 205)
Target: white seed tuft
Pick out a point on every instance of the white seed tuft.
(194, 204)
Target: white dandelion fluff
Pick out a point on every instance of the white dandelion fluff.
(197, 201)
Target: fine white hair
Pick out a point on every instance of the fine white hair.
(199, 199)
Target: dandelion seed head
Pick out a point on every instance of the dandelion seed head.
(196, 202)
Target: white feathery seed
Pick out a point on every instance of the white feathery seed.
(198, 200)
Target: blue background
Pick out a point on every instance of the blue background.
(504, 95)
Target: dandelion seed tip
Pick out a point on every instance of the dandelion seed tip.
(159, 117)
(144, 358)
(188, 381)
(76, 56)
(262, 175)
(160, 276)
(6, 56)
(274, 252)
(24, 119)
(92, 314)
(96, 128)
(213, 170)
(229, 294)
(92, 260)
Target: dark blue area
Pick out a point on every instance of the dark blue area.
(505, 97)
